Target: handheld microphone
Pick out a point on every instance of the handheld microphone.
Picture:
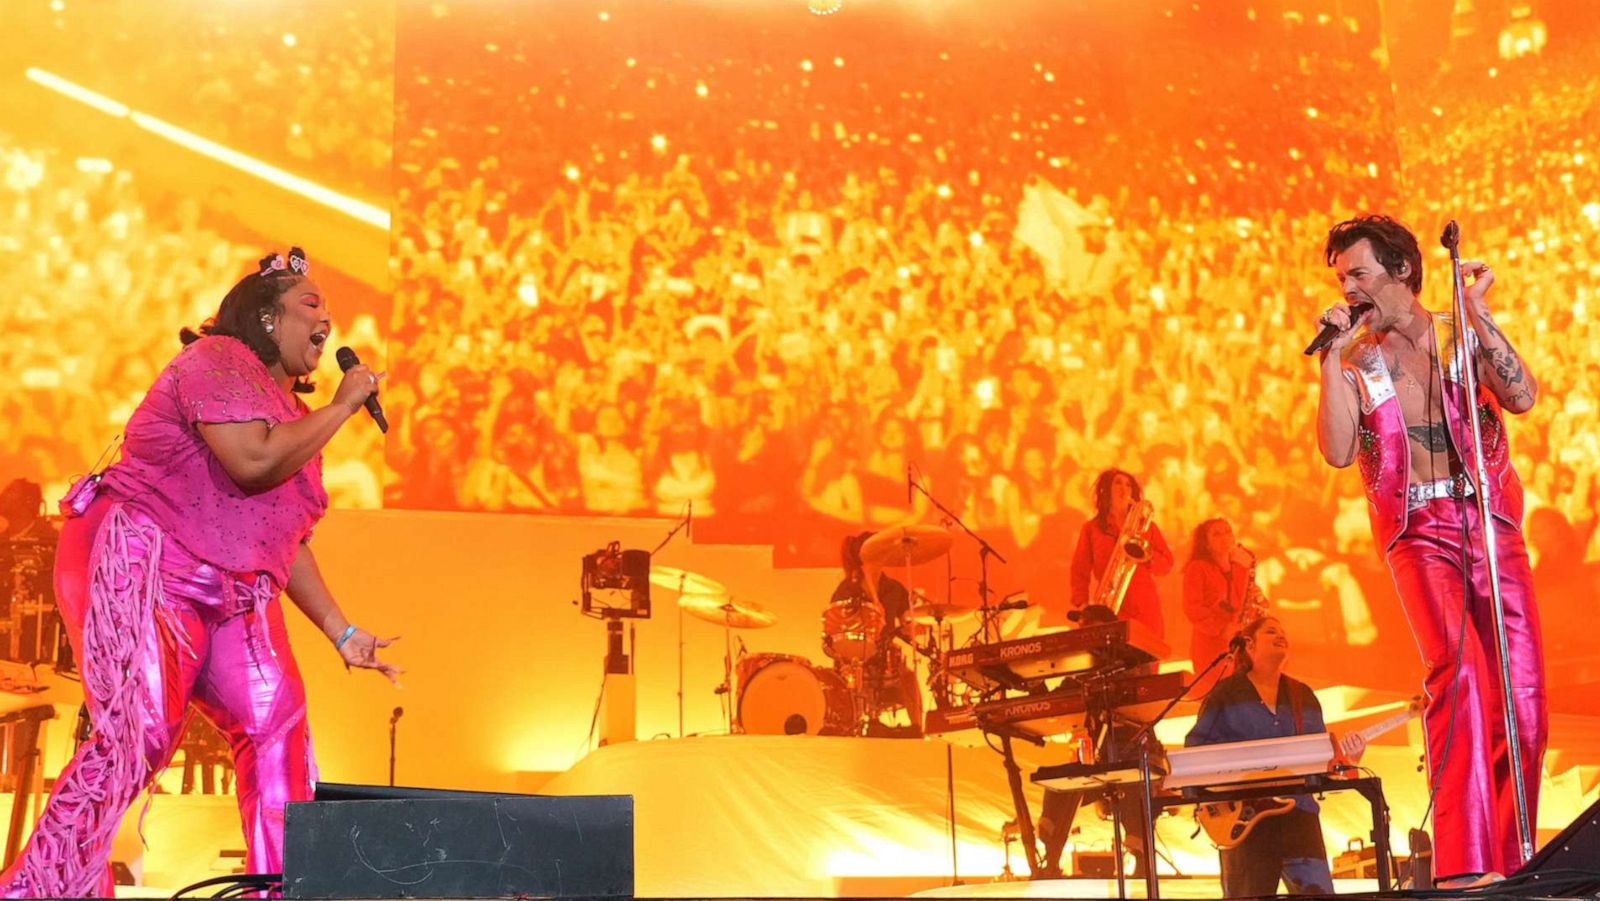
(1236, 644)
(347, 359)
(1331, 331)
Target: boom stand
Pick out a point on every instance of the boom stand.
(985, 551)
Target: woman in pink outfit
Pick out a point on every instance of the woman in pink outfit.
(169, 572)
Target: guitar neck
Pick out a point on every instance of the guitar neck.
(1393, 722)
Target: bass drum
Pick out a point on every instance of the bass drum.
(780, 694)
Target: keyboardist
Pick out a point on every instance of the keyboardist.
(1259, 701)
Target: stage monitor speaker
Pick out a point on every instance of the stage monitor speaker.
(357, 841)
(1568, 866)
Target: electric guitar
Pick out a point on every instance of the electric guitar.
(1228, 823)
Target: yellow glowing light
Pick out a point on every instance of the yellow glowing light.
(605, 16)
(700, 89)
(943, 191)
(81, 94)
(1372, 169)
(94, 164)
(903, 272)
(355, 209)
(630, 62)
(1311, 112)
(1591, 211)
(1494, 72)
(824, 7)
(1050, 76)
(528, 293)
(986, 390)
(658, 143)
(1055, 162)
(571, 172)
(289, 40)
(1158, 297)
(1578, 158)
(806, 66)
(975, 239)
(838, 62)
(1294, 153)
(57, 6)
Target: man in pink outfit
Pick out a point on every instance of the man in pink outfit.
(169, 571)
(1392, 401)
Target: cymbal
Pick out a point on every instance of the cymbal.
(930, 613)
(675, 579)
(724, 610)
(906, 546)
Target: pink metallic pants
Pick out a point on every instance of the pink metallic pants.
(1474, 812)
(154, 629)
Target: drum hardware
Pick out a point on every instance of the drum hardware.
(722, 609)
(683, 582)
(985, 551)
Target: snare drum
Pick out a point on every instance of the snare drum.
(851, 629)
(780, 694)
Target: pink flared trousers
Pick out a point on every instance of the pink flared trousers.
(1474, 810)
(154, 629)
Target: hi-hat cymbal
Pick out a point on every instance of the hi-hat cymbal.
(724, 610)
(906, 546)
(932, 613)
(675, 579)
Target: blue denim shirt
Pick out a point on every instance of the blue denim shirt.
(1234, 711)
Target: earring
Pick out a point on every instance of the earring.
(266, 323)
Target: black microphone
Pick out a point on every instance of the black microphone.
(1331, 331)
(1017, 604)
(398, 712)
(347, 358)
(1236, 644)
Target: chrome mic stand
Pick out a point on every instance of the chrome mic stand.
(1451, 239)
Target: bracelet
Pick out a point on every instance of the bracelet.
(348, 631)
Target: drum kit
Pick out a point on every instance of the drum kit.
(786, 694)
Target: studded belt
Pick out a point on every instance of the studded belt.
(1419, 493)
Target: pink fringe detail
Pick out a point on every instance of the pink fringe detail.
(68, 852)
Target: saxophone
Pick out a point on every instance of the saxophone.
(1131, 549)
(1254, 604)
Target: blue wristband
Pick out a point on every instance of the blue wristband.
(348, 631)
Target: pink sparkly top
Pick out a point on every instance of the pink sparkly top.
(168, 471)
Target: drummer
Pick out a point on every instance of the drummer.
(866, 613)
(856, 586)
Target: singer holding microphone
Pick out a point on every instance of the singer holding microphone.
(169, 571)
(1390, 402)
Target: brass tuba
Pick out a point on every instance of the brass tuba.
(1131, 549)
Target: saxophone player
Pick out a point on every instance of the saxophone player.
(1220, 595)
(1115, 495)
(1103, 547)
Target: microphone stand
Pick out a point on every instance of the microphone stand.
(680, 526)
(394, 722)
(985, 551)
(1468, 379)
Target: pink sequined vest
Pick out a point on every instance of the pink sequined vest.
(1384, 452)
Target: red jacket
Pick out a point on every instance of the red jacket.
(1141, 603)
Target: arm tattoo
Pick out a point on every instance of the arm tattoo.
(1504, 361)
(1431, 436)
